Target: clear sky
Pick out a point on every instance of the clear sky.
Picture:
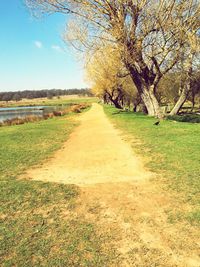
(31, 51)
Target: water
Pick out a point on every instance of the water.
(21, 112)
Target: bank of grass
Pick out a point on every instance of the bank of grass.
(76, 108)
(38, 224)
(173, 150)
(63, 100)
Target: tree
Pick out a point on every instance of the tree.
(16, 97)
(168, 90)
(188, 39)
(30, 94)
(146, 33)
(108, 78)
(50, 95)
(102, 71)
(6, 96)
(195, 89)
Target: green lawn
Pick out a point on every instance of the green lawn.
(38, 225)
(172, 149)
(49, 102)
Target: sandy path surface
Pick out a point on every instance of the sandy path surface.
(119, 196)
(95, 153)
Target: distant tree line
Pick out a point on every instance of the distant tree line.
(31, 94)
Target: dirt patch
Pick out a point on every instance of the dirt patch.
(117, 193)
(136, 214)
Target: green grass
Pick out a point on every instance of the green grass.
(63, 101)
(49, 102)
(173, 150)
(28, 144)
(38, 222)
(192, 118)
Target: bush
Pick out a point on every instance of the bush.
(48, 116)
(19, 121)
(77, 108)
(192, 118)
(56, 113)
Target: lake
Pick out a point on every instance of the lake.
(21, 112)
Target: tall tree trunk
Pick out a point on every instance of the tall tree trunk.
(193, 100)
(116, 103)
(146, 92)
(144, 109)
(136, 102)
(182, 98)
(122, 101)
(151, 103)
(105, 100)
(185, 86)
(115, 100)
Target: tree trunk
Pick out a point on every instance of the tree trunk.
(105, 100)
(136, 103)
(144, 109)
(146, 92)
(135, 106)
(151, 103)
(181, 100)
(193, 100)
(122, 102)
(116, 100)
(116, 103)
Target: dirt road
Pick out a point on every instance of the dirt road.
(118, 194)
(95, 153)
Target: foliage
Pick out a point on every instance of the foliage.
(141, 32)
(31, 94)
(109, 79)
(169, 88)
(185, 118)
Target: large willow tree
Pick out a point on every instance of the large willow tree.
(107, 76)
(150, 35)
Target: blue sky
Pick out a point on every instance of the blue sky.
(31, 51)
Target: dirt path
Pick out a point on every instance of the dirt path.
(118, 194)
(95, 153)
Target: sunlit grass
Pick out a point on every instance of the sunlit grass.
(172, 149)
(63, 100)
(38, 224)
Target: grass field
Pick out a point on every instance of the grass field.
(63, 100)
(174, 152)
(41, 224)
(38, 225)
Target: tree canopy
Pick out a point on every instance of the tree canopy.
(152, 37)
